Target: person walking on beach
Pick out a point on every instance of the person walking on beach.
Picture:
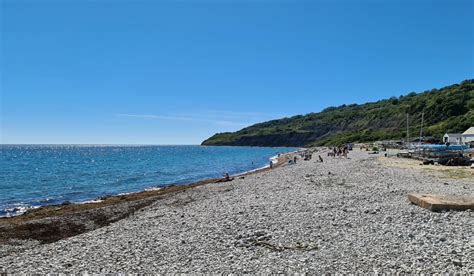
(271, 164)
(294, 160)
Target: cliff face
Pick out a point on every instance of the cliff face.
(449, 109)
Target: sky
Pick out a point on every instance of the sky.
(176, 72)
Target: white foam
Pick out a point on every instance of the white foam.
(91, 201)
(16, 211)
(153, 189)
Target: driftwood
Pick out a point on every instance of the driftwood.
(442, 202)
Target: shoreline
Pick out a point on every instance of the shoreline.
(99, 212)
(30, 209)
(341, 215)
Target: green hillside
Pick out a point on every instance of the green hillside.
(449, 109)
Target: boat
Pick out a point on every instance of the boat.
(452, 155)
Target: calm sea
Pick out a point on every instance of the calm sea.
(36, 175)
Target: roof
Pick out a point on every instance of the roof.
(454, 135)
(469, 131)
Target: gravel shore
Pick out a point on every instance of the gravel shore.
(342, 215)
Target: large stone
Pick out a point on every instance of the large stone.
(442, 202)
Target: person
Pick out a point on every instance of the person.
(226, 178)
(294, 160)
(271, 164)
(320, 159)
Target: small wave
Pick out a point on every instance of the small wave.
(274, 159)
(91, 201)
(122, 194)
(16, 211)
(153, 189)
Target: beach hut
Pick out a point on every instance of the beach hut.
(468, 136)
(452, 138)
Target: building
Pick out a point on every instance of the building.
(468, 136)
(452, 138)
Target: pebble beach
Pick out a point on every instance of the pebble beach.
(340, 215)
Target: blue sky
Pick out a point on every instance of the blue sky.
(176, 72)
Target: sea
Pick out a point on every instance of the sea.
(38, 175)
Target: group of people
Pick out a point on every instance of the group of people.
(305, 155)
(308, 155)
(339, 151)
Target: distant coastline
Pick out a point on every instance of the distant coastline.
(446, 110)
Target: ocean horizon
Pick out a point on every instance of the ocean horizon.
(35, 175)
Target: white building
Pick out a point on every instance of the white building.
(468, 136)
(452, 138)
